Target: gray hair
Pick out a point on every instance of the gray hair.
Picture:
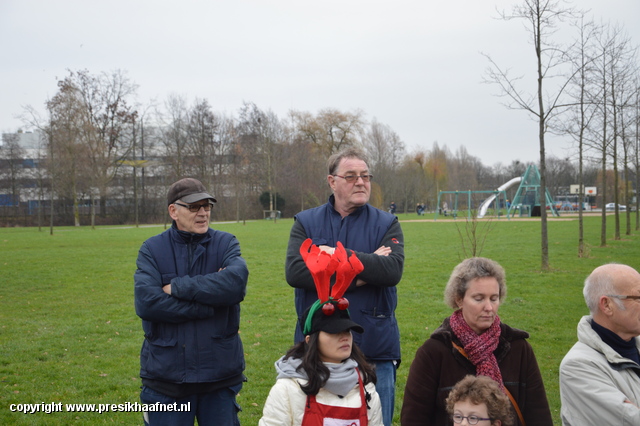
(598, 284)
(468, 270)
(334, 161)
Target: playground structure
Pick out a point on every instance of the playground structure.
(467, 203)
(501, 189)
(526, 201)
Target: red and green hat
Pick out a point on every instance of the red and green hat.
(330, 312)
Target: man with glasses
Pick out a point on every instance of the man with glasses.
(600, 375)
(189, 283)
(376, 237)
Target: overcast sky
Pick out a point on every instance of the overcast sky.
(414, 65)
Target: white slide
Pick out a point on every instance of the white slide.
(485, 204)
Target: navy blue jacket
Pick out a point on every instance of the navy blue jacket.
(371, 305)
(191, 336)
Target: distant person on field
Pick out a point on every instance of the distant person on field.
(189, 283)
(392, 207)
(376, 237)
(473, 340)
(600, 375)
(478, 400)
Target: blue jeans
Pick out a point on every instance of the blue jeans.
(386, 388)
(213, 408)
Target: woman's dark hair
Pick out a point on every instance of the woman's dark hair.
(317, 372)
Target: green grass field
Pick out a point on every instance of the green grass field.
(69, 333)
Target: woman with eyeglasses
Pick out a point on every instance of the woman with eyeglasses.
(474, 341)
(478, 400)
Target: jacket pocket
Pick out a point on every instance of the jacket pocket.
(380, 339)
(161, 357)
(221, 358)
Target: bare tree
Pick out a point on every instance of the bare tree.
(582, 57)
(67, 161)
(385, 150)
(412, 190)
(303, 170)
(173, 135)
(261, 132)
(106, 127)
(331, 130)
(463, 170)
(435, 168)
(11, 160)
(542, 18)
(202, 141)
(627, 139)
(561, 173)
(622, 67)
(636, 162)
(627, 94)
(613, 74)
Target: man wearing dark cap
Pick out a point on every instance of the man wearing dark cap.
(189, 283)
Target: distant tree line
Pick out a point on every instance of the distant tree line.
(105, 158)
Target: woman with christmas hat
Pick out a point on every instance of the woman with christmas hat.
(325, 379)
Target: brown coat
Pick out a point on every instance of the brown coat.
(438, 366)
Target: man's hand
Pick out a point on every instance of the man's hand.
(328, 249)
(383, 251)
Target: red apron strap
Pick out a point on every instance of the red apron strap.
(316, 413)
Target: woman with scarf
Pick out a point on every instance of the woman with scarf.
(474, 341)
(325, 376)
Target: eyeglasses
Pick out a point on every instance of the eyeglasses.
(473, 420)
(617, 296)
(195, 208)
(354, 178)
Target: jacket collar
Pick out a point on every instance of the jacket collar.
(588, 336)
(189, 237)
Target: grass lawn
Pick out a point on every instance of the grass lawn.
(69, 332)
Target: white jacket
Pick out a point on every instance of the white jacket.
(595, 382)
(286, 402)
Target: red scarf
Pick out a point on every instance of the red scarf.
(479, 347)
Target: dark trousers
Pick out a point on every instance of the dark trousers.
(213, 408)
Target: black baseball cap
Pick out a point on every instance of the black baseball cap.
(337, 322)
(188, 190)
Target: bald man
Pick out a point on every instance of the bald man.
(600, 375)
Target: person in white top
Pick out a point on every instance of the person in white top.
(325, 379)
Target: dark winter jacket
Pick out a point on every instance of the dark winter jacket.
(191, 336)
(372, 305)
(438, 366)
